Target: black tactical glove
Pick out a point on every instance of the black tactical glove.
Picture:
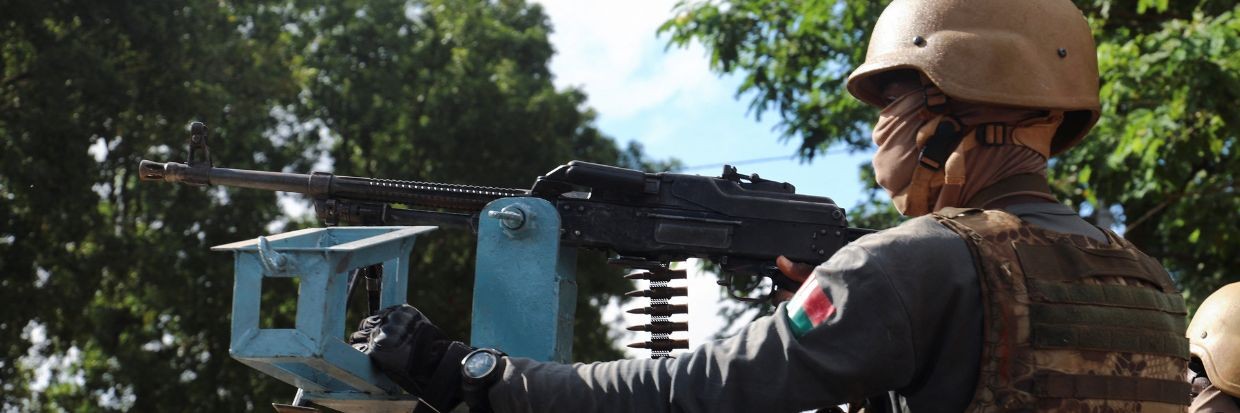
(414, 353)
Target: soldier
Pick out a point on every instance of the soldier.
(995, 297)
(1214, 340)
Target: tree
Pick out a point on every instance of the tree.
(1161, 165)
(116, 275)
(112, 278)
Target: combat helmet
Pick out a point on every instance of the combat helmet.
(1214, 337)
(1021, 53)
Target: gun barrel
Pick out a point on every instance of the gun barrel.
(429, 194)
(241, 178)
(320, 184)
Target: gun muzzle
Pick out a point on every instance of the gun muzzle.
(151, 171)
(173, 172)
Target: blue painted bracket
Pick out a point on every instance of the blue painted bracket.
(524, 299)
(525, 285)
(314, 356)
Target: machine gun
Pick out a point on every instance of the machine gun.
(741, 222)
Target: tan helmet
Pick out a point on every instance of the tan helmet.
(1030, 54)
(1214, 337)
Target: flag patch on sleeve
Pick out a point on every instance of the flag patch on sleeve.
(809, 307)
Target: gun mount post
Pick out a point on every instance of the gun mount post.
(313, 355)
(525, 285)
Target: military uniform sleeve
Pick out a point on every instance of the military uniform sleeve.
(863, 348)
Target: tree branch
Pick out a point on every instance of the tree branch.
(14, 79)
(1168, 201)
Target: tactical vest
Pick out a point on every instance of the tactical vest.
(1070, 323)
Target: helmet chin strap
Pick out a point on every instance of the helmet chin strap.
(1034, 135)
(938, 138)
(943, 163)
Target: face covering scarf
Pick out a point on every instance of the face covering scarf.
(905, 126)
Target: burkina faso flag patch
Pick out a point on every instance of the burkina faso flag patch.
(809, 307)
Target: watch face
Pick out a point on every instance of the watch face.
(479, 364)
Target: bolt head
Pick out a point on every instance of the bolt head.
(1062, 52)
(510, 217)
(919, 41)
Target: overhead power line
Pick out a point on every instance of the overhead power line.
(752, 161)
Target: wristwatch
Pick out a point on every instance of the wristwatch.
(480, 369)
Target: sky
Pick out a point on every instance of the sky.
(670, 102)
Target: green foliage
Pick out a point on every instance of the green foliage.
(1163, 156)
(116, 274)
(1162, 163)
(111, 269)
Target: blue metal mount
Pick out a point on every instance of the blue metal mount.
(314, 356)
(525, 292)
(525, 283)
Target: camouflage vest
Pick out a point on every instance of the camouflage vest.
(1072, 324)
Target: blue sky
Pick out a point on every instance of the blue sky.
(670, 102)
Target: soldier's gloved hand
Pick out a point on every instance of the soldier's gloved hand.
(414, 353)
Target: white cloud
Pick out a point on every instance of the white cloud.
(610, 49)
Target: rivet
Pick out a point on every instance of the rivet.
(577, 233)
(919, 41)
(1063, 53)
(822, 252)
(1203, 334)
